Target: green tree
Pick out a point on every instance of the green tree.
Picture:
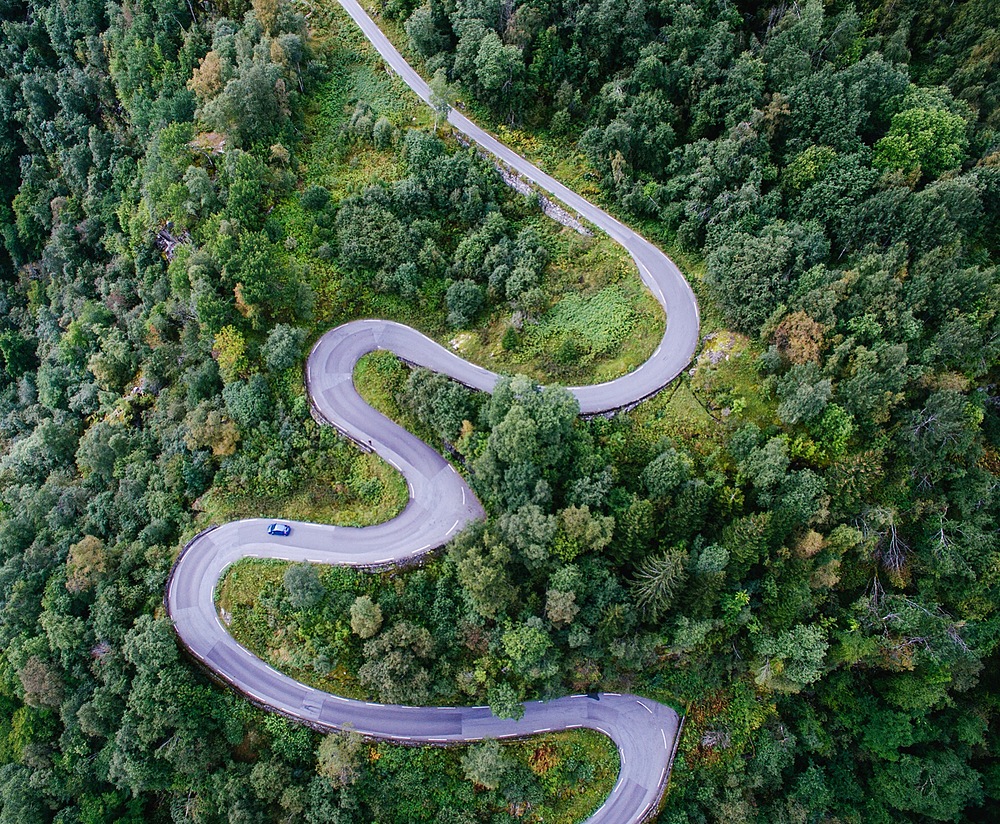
(943, 436)
(253, 105)
(464, 299)
(441, 96)
(665, 473)
(484, 764)
(43, 685)
(803, 393)
(941, 785)
(230, 351)
(923, 141)
(366, 617)
(423, 31)
(18, 354)
(793, 659)
(561, 607)
(526, 646)
(504, 701)
(483, 562)
(531, 439)
(339, 758)
(658, 579)
(580, 531)
(304, 588)
(283, 347)
(396, 664)
(499, 74)
(86, 564)
(753, 274)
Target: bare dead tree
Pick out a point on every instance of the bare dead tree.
(890, 549)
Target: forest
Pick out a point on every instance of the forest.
(795, 544)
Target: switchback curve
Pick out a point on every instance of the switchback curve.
(440, 505)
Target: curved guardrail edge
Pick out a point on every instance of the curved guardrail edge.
(173, 566)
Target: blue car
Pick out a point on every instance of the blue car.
(279, 529)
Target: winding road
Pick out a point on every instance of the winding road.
(440, 505)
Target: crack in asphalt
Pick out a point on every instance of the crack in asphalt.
(440, 504)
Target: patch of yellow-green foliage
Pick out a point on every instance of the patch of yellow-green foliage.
(370, 492)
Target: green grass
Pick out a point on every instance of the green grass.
(677, 413)
(379, 378)
(728, 383)
(372, 492)
(598, 303)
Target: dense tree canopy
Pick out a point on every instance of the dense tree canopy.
(804, 556)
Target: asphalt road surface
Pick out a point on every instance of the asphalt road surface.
(440, 505)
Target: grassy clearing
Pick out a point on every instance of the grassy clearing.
(602, 322)
(727, 380)
(369, 492)
(678, 414)
(379, 378)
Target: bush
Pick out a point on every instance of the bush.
(464, 298)
(315, 198)
(303, 586)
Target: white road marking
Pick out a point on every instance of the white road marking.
(647, 709)
(664, 735)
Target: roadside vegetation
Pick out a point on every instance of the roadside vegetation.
(795, 543)
(395, 223)
(312, 622)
